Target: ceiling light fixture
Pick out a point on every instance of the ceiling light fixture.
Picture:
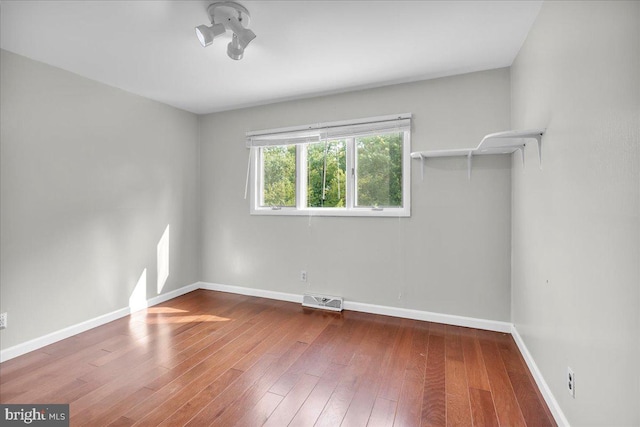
(227, 15)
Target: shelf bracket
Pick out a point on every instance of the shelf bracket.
(469, 164)
(538, 137)
(422, 166)
(521, 149)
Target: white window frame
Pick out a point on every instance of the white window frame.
(302, 135)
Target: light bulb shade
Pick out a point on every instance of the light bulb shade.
(206, 34)
(244, 35)
(234, 50)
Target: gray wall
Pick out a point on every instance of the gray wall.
(91, 176)
(452, 256)
(576, 235)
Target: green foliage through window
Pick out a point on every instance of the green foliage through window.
(279, 176)
(379, 171)
(326, 174)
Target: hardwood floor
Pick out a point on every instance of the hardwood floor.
(211, 358)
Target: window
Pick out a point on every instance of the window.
(355, 168)
(278, 176)
(326, 174)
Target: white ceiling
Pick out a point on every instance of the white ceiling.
(302, 49)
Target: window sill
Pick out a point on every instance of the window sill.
(358, 212)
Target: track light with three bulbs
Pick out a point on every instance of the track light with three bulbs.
(227, 15)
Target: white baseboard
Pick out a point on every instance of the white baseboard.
(282, 296)
(36, 343)
(429, 316)
(449, 319)
(552, 403)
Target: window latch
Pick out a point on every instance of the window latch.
(275, 208)
(377, 209)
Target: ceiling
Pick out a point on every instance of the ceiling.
(302, 49)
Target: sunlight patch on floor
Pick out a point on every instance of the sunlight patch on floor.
(164, 310)
(185, 319)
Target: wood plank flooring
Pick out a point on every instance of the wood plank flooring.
(212, 358)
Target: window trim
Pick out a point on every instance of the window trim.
(302, 135)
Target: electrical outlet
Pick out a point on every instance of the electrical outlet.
(303, 276)
(3, 320)
(571, 383)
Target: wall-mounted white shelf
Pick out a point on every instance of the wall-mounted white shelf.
(505, 142)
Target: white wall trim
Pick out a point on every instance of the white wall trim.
(45, 340)
(449, 319)
(552, 403)
(429, 316)
(282, 296)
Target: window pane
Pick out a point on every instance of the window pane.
(379, 170)
(279, 176)
(326, 174)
